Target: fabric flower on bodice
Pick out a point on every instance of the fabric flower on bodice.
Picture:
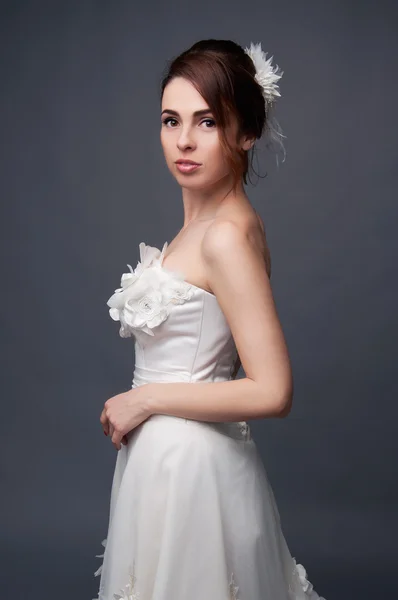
(144, 299)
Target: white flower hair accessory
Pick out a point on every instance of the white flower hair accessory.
(266, 75)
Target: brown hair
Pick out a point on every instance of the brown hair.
(224, 75)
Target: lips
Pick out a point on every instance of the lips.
(187, 166)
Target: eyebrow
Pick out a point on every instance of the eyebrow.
(197, 113)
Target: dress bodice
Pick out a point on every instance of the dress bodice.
(180, 331)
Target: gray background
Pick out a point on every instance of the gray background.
(84, 181)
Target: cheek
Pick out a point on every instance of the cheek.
(210, 145)
(166, 146)
(163, 140)
(215, 156)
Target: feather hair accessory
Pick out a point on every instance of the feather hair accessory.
(266, 75)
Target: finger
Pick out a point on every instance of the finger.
(116, 439)
(104, 421)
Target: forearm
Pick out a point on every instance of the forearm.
(232, 400)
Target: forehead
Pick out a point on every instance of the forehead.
(182, 96)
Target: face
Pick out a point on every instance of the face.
(189, 132)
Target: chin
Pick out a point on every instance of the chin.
(189, 180)
(196, 181)
(199, 184)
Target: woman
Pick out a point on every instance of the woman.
(192, 514)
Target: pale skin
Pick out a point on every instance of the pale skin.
(221, 248)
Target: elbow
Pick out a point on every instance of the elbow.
(286, 398)
(279, 403)
(277, 408)
(284, 407)
(284, 404)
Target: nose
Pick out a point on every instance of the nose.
(186, 140)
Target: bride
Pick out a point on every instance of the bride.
(192, 513)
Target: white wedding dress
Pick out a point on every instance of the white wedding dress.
(192, 514)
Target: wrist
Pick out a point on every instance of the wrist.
(150, 404)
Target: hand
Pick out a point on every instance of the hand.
(124, 412)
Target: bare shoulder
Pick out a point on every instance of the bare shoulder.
(221, 236)
(229, 235)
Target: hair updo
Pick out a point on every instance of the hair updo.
(224, 75)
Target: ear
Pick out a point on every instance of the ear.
(247, 142)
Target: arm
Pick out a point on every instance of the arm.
(237, 275)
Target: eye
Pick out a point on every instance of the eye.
(212, 121)
(167, 119)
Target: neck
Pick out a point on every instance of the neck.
(206, 203)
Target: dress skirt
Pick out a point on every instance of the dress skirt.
(193, 517)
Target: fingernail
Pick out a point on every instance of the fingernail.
(105, 433)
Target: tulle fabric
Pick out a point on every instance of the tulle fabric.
(193, 515)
